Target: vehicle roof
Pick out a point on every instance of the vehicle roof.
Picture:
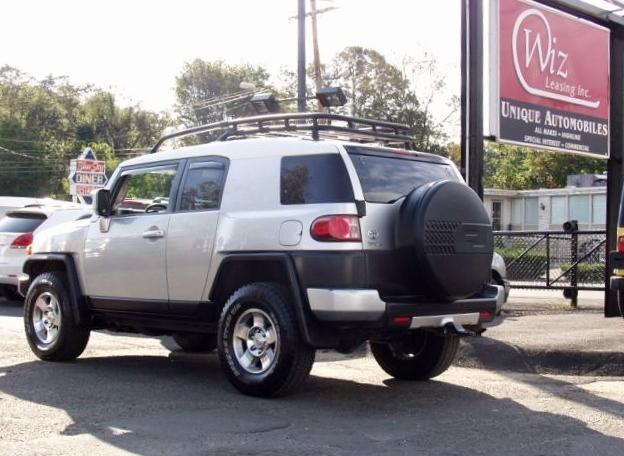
(45, 210)
(265, 147)
(21, 201)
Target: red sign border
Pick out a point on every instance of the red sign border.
(494, 77)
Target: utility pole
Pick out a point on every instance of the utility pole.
(301, 60)
(318, 79)
(472, 94)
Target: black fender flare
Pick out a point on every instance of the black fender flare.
(312, 332)
(42, 262)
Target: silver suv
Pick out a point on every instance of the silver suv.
(281, 235)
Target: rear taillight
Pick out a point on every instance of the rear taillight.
(22, 241)
(336, 228)
(620, 247)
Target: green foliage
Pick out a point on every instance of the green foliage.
(530, 267)
(150, 185)
(519, 168)
(373, 86)
(45, 123)
(202, 81)
(377, 89)
(586, 272)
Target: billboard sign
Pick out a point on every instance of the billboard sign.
(86, 174)
(549, 80)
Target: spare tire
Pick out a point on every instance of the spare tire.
(445, 238)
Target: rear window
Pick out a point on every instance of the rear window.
(310, 179)
(385, 179)
(21, 223)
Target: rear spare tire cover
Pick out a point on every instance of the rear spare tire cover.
(445, 238)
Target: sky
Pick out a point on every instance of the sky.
(136, 48)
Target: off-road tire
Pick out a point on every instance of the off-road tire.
(421, 355)
(293, 359)
(196, 343)
(72, 339)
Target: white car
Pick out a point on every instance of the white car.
(8, 203)
(17, 230)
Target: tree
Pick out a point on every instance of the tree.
(201, 81)
(374, 87)
(45, 123)
(377, 89)
(519, 168)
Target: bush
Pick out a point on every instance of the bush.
(531, 267)
(586, 272)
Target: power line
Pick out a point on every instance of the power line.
(12, 152)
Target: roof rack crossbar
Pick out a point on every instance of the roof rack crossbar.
(314, 122)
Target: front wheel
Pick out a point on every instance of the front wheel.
(51, 330)
(420, 355)
(260, 347)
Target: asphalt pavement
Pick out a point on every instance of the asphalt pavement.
(509, 393)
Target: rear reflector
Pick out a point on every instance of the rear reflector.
(620, 245)
(22, 241)
(485, 315)
(402, 321)
(336, 228)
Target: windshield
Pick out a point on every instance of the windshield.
(385, 179)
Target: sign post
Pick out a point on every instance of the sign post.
(86, 174)
(472, 148)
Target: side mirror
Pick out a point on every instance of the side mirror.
(102, 202)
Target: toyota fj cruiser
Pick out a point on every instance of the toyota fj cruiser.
(281, 235)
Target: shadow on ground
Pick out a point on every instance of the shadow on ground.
(152, 405)
(11, 308)
(492, 354)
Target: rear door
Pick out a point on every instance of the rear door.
(192, 230)
(386, 177)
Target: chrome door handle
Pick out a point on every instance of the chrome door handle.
(153, 233)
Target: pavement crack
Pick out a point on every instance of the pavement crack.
(275, 427)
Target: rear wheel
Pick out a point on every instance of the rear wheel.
(260, 347)
(51, 330)
(421, 355)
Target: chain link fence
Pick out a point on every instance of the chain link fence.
(553, 259)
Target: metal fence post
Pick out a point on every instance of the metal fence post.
(547, 260)
(574, 272)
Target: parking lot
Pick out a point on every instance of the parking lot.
(129, 395)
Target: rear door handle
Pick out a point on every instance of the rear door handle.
(153, 233)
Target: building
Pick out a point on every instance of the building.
(547, 209)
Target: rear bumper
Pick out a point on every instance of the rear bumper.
(11, 280)
(616, 282)
(23, 284)
(366, 306)
(11, 270)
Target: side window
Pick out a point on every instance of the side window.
(145, 190)
(202, 186)
(309, 179)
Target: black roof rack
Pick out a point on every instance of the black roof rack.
(330, 126)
